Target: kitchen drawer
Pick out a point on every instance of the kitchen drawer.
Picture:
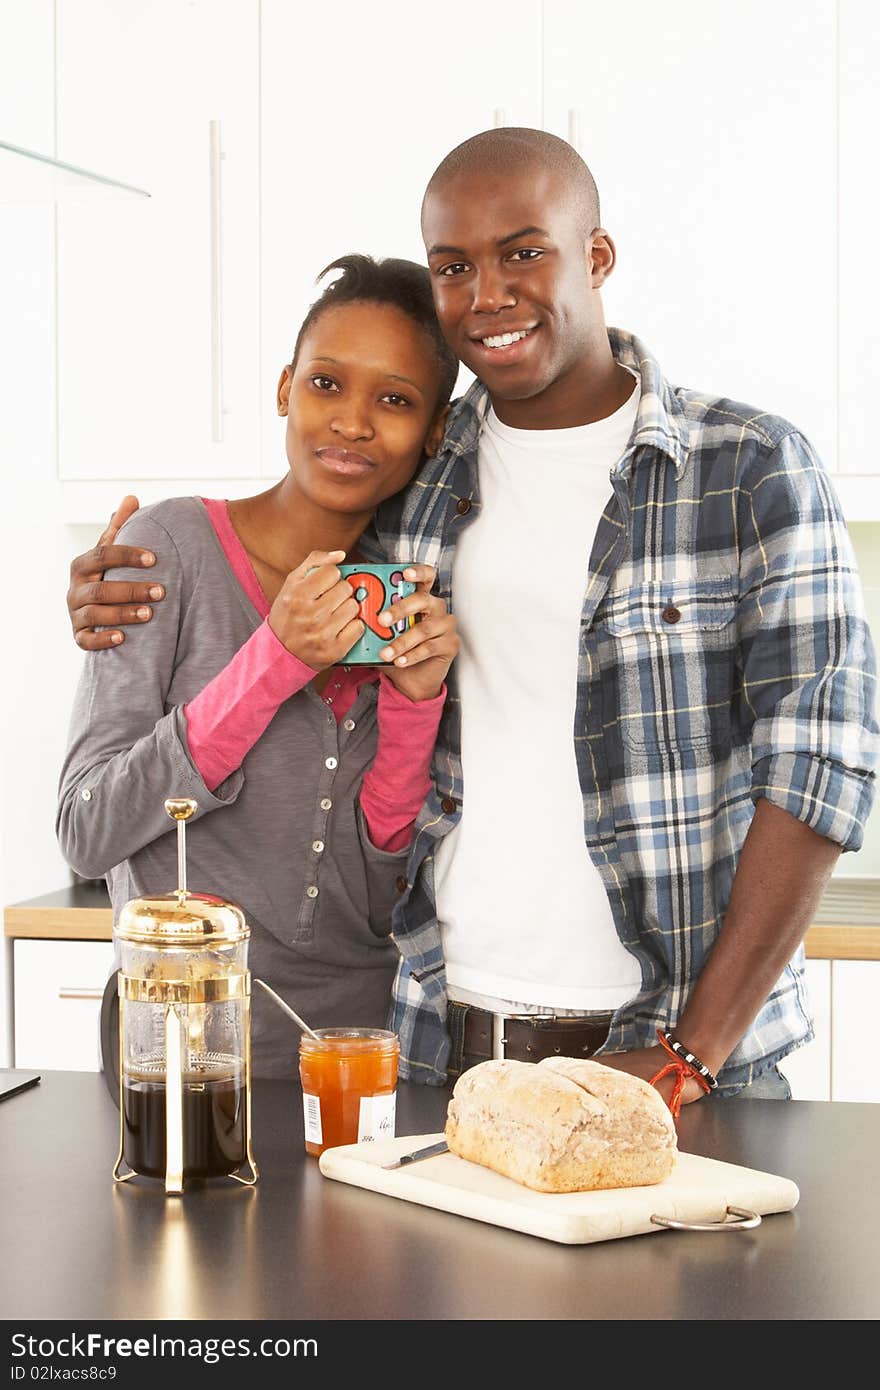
(58, 987)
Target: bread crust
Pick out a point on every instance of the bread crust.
(563, 1125)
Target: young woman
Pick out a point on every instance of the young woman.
(308, 774)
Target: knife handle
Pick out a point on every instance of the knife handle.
(431, 1151)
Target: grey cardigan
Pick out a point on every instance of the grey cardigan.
(319, 919)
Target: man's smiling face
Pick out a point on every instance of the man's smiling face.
(513, 280)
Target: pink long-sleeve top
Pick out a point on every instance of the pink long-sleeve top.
(227, 717)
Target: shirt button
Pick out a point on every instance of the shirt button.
(86, 794)
(464, 506)
(326, 803)
(671, 614)
(331, 763)
(348, 724)
(311, 891)
(318, 846)
(401, 884)
(447, 805)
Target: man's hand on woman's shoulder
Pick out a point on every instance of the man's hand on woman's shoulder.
(109, 605)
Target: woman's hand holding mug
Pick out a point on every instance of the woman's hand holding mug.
(419, 658)
(315, 614)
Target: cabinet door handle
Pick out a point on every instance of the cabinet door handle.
(78, 992)
(216, 195)
(574, 128)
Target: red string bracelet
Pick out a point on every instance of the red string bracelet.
(682, 1071)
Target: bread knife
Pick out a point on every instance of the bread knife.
(429, 1152)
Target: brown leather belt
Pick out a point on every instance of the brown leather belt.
(531, 1038)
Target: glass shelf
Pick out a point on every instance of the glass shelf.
(29, 177)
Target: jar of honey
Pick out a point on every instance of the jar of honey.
(349, 1083)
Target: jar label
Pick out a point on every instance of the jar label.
(312, 1116)
(376, 1117)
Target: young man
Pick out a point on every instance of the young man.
(660, 720)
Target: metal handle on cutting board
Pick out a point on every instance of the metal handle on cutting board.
(747, 1221)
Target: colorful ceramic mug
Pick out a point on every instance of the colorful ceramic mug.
(376, 588)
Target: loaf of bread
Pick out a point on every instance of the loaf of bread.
(563, 1125)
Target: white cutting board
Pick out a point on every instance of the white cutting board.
(698, 1189)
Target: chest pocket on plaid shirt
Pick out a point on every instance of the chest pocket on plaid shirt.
(668, 666)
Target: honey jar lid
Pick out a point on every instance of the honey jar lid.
(349, 1042)
(181, 918)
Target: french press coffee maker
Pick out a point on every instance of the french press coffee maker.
(184, 1034)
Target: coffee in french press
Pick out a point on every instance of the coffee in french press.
(184, 1034)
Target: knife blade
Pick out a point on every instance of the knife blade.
(429, 1152)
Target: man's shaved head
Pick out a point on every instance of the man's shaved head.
(512, 149)
(510, 222)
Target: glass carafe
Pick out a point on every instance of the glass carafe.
(184, 1034)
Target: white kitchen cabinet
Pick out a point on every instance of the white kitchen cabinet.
(158, 300)
(809, 1069)
(711, 132)
(357, 114)
(58, 991)
(840, 1062)
(854, 1073)
(714, 133)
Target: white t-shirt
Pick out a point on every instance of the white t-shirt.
(524, 916)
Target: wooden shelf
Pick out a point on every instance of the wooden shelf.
(81, 912)
(830, 942)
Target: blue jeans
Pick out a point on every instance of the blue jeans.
(772, 1085)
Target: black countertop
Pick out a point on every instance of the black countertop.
(76, 1246)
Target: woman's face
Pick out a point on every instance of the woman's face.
(361, 406)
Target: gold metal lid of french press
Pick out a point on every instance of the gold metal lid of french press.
(181, 918)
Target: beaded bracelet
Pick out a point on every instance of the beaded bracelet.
(683, 1066)
(681, 1051)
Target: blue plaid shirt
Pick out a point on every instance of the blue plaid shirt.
(723, 657)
